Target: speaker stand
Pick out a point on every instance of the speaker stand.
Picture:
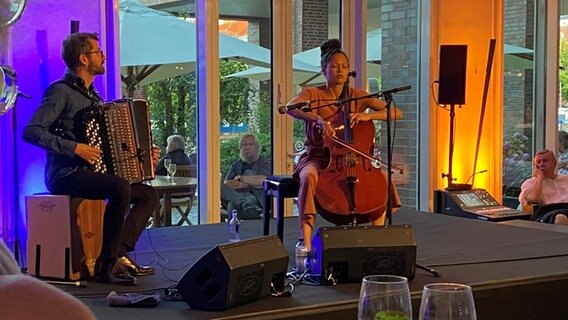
(451, 185)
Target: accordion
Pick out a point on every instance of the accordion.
(121, 129)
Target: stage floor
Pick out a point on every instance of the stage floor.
(515, 272)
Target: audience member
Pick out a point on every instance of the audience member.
(546, 187)
(175, 150)
(242, 189)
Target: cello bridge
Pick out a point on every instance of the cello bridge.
(351, 160)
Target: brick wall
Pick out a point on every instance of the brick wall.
(399, 67)
(518, 84)
(310, 24)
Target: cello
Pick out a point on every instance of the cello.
(350, 189)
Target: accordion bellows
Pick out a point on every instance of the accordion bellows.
(121, 129)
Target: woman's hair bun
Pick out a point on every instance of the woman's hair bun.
(330, 45)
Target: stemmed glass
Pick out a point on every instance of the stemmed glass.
(172, 171)
(384, 297)
(167, 163)
(447, 301)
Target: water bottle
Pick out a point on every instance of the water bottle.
(301, 256)
(234, 224)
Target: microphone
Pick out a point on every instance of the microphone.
(352, 74)
(300, 105)
(481, 171)
(394, 90)
(463, 186)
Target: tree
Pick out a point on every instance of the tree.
(173, 103)
(563, 73)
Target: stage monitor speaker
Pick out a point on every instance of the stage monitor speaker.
(453, 64)
(348, 253)
(235, 273)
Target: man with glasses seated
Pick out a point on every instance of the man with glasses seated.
(546, 188)
(55, 128)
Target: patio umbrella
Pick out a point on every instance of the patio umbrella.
(518, 57)
(302, 72)
(515, 58)
(156, 45)
(307, 68)
(301, 77)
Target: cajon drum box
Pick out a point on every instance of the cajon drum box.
(64, 235)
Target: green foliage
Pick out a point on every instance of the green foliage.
(173, 109)
(517, 163)
(563, 72)
(260, 114)
(230, 152)
(299, 133)
(235, 93)
(173, 103)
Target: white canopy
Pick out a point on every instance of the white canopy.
(515, 58)
(156, 45)
(309, 75)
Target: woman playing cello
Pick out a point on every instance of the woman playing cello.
(335, 68)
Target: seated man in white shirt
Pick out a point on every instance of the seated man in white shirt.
(546, 187)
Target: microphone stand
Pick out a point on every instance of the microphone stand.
(341, 101)
(13, 80)
(17, 248)
(388, 99)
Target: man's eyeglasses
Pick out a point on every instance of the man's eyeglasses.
(96, 51)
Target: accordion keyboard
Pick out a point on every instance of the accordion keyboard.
(111, 128)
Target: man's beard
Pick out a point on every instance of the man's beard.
(248, 158)
(97, 70)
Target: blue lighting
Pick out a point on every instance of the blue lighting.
(36, 57)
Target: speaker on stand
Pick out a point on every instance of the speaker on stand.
(452, 74)
(451, 90)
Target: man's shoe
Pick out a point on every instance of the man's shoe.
(117, 274)
(133, 267)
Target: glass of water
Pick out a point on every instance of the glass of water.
(172, 171)
(167, 163)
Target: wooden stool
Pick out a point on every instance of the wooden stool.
(64, 235)
(279, 187)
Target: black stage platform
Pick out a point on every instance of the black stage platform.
(516, 272)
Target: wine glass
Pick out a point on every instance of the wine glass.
(172, 171)
(384, 297)
(167, 163)
(447, 301)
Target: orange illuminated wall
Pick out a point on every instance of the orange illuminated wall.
(472, 23)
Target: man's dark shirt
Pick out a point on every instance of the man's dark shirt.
(178, 157)
(240, 168)
(55, 126)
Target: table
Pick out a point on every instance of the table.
(165, 188)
